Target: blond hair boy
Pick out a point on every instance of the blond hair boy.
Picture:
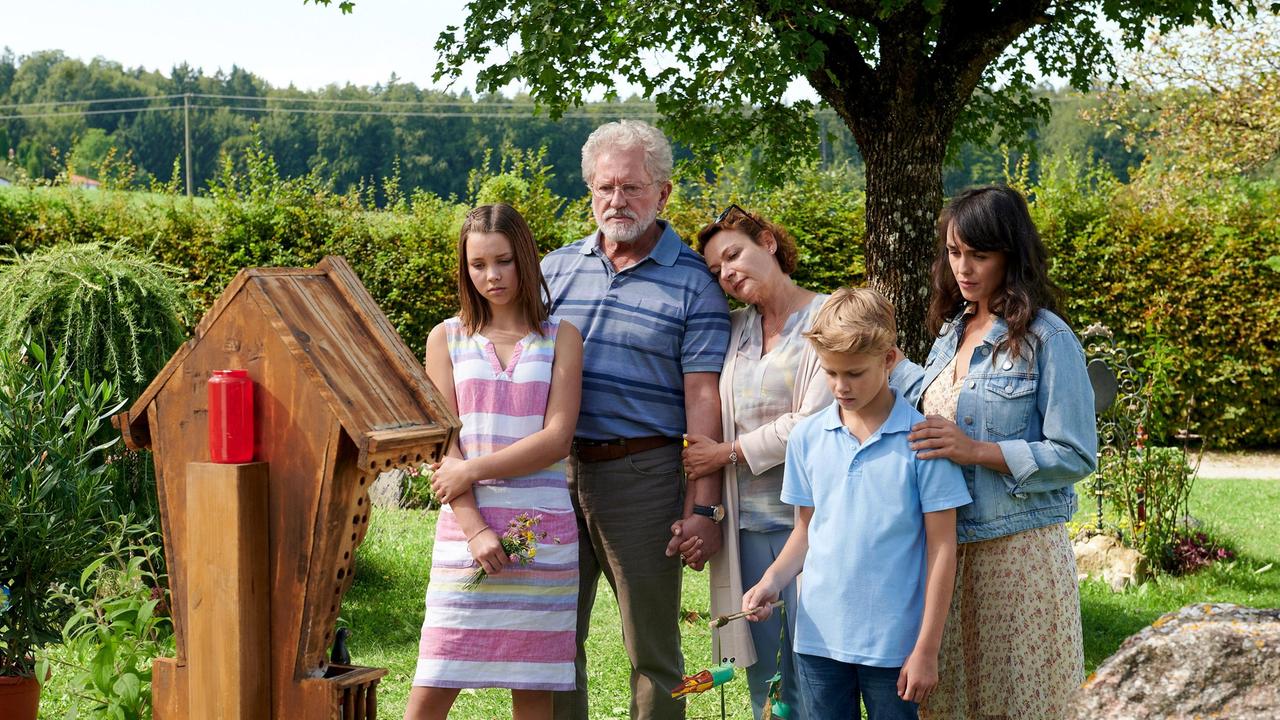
(875, 530)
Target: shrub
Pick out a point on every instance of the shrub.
(54, 484)
(1194, 272)
(1149, 488)
(1188, 273)
(113, 313)
(119, 624)
(1195, 549)
(822, 209)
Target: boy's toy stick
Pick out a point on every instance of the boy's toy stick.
(774, 707)
(704, 681)
(726, 619)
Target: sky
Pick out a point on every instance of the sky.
(282, 41)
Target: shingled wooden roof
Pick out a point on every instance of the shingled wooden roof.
(344, 348)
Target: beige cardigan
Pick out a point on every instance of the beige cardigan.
(762, 448)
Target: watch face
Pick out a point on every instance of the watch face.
(718, 513)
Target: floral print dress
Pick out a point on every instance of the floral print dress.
(1012, 647)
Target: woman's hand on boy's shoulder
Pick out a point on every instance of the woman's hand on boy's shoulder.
(937, 437)
(919, 676)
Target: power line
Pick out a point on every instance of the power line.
(315, 100)
(343, 101)
(402, 113)
(96, 101)
(472, 105)
(318, 111)
(64, 113)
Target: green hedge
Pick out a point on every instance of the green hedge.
(1189, 283)
(1188, 280)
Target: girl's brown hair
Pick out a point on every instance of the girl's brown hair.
(995, 218)
(754, 227)
(503, 219)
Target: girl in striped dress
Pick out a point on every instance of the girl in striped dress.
(514, 376)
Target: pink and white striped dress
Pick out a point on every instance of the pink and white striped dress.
(516, 630)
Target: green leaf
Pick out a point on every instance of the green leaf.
(89, 570)
(102, 667)
(145, 612)
(128, 688)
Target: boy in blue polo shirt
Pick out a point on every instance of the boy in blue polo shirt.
(875, 532)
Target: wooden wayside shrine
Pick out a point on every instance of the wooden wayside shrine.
(260, 554)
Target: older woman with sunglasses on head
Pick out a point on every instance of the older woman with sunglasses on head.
(771, 379)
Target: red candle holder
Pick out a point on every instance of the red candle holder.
(230, 417)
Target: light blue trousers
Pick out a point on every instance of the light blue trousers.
(758, 551)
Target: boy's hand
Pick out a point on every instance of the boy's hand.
(486, 550)
(759, 599)
(450, 478)
(919, 676)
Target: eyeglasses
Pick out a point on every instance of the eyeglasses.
(630, 191)
(735, 208)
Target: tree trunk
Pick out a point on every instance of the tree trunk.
(904, 196)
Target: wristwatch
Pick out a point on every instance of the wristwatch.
(715, 512)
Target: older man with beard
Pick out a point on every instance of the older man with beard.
(655, 326)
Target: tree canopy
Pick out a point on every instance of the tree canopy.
(908, 77)
(1205, 102)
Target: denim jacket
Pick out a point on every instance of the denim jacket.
(1037, 407)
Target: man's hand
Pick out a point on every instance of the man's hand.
(696, 539)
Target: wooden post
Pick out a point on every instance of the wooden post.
(228, 591)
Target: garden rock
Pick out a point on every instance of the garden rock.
(1103, 557)
(387, 490)
(1203, 661)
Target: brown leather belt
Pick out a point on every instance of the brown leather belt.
(602, 450)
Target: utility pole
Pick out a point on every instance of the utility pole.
(186, 126)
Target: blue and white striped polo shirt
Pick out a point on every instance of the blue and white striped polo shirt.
(642, 328)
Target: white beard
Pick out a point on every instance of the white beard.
(632, 232)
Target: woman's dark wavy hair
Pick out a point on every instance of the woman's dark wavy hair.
(994, 218)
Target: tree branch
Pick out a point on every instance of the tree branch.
(972, 35)
(842, 59)
(857, 9)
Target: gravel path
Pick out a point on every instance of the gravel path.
(1254, 465)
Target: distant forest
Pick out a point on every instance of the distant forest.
(58, 112)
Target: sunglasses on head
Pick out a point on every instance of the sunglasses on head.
(735, 208)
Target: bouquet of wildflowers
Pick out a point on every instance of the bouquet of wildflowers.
(519, 542)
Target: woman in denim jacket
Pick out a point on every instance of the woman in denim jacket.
(1007, 397)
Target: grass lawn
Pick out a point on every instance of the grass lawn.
(1241, 511)
(384, 607)
(384, 611)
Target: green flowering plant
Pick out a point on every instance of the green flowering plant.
(54, 483)
(519, 542)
